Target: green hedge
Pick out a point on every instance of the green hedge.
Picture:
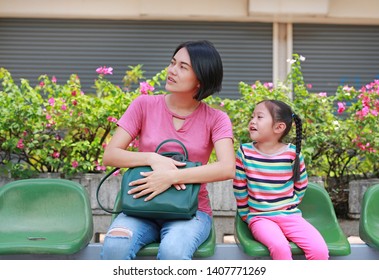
(54, 127)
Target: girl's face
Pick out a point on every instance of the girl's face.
(180, 75)
(261, 124)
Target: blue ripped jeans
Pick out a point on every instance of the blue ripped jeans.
(179, 239)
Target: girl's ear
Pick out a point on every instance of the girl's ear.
(280, 127)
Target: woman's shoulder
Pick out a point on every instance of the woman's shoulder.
(212, 109)
(215, 112)
(147, 98)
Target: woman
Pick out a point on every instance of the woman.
(195, 72)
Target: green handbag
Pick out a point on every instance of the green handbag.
(170, 205)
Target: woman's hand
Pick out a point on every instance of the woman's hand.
(159, 180)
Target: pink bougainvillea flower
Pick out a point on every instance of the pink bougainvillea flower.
(116, 172)
(341, 107)
(20, 144)
(112, 119)
(55, 154)
(108, 70)
(268, 85)
(309, 86)
(104, 70)
(74, 102)
(104, 145)
(54, 79)
(73, 93)
(48, 117)
(374, 113)
(41, 84)
(75, 164)
(322, 94)
(365, 111)
(365, 99)
(222, 104)
(99, 70)
(51, 101)
(361, 146)
(362, 113)
(100, 168)
(347, 88)
(64, 107)
(145, 87)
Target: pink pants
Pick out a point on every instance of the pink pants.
(275, 233)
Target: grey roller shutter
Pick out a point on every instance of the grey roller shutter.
(31, 47)
(337, 54)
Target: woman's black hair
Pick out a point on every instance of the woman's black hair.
(207, 64)
(282, 112)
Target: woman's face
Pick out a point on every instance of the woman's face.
(180, 75)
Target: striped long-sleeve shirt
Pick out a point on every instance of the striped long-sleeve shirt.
(263, 184)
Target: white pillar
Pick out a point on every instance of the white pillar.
(282, 50)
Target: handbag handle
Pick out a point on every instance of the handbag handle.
(98, 190)
(178, 142)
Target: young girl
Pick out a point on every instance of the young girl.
(270, 183)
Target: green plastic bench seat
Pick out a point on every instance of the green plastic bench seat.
(317, 209)
(369, 220)
(207, 249)
(44, 216)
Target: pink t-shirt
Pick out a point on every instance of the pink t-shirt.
(149, 119)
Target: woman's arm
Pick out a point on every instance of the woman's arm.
(160, 180)
(240, 187)
(116, 154)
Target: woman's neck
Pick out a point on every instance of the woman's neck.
(181, 105)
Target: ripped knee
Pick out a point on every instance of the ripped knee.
(119, 231)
